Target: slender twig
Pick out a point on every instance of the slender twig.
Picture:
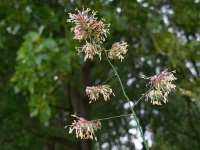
(129, 102)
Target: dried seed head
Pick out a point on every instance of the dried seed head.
(118, 50)
(85, 129)
(161, 86)
(94, 91)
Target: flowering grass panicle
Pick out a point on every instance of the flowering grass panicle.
(161, 86)
(85, 129)
(88, 27)
(118, 50)
(94, 32)
(94, 91)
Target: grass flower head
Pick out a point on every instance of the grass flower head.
(88, 26)
(90, 49)
(94, 91)
(161, 86)
(85, 129)
(118, 50)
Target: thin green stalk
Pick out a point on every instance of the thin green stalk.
(108, 79)
(108, 118)
(141, 97)
(129, 102)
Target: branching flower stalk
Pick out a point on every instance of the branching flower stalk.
(94, 32)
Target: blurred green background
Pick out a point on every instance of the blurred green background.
(42, 80)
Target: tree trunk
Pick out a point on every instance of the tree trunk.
(79, 100)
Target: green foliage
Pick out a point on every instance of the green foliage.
(35, 73)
